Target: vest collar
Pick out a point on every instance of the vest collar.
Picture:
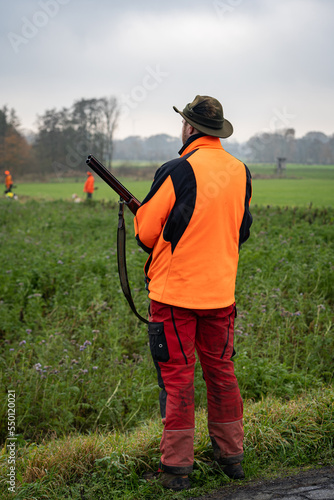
(200, 141)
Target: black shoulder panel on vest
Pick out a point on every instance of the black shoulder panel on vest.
(163, 172)
(185, 188)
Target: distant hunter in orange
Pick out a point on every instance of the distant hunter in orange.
(8, 182)
(89, 186)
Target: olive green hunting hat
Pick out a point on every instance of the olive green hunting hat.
(206, 115)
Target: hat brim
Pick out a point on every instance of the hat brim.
(225, 131)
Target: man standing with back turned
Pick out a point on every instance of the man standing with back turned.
(89, 186)
(192, 223)
(8, 182)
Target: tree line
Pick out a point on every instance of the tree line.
(313, 148)
(65, 137)
(63, 140)
(15, 152)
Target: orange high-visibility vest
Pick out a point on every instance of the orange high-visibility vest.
(8, 181)
(192, 222)
(89, 185)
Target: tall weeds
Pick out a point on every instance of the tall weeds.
(79, 360)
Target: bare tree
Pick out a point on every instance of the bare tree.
(95, 121)
(110, 111)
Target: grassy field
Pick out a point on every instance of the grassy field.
(280, 437)
(79, 363)
(301, 186)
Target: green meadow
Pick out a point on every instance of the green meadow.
(300, 186)
(87, 419)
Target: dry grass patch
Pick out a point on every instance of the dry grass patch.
(274, 431)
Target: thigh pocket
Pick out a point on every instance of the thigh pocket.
(158, 343)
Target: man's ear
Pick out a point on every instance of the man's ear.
(191, 129)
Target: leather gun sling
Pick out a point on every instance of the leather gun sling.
(121, 261)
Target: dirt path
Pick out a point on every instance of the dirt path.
(316, 484)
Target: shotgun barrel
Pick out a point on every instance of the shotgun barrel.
(130, 200)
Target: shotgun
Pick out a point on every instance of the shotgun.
(130, 200)
(133, 204)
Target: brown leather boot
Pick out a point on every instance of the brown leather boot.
(170, 481)
(233, 471)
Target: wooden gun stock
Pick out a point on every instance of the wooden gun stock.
(111, 180)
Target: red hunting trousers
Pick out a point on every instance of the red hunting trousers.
(174, 334)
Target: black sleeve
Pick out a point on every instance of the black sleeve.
(247, 220)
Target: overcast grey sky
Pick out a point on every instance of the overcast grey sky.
(269, 62)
